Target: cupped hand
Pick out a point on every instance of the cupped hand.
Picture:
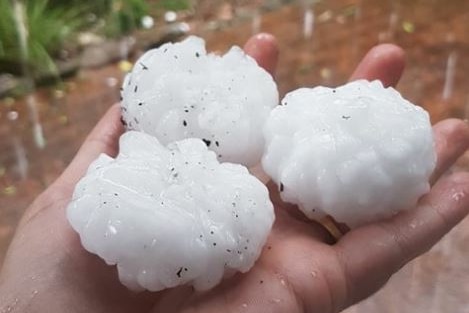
(300, 269)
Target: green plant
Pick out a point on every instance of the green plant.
(124, 16)
(47, 30)
(97, 7)
(119, 16)
(174, 5)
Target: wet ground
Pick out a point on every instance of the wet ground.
(321, 43)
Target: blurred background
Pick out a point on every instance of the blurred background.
(62, 63)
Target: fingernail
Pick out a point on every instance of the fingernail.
(263, 36)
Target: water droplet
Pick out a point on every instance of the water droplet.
(458, 195)
(12, 115)
(314, 273)
(9, 307)
(111, 81)
(244, 305)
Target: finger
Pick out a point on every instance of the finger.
(371, 254)
(451, 141)
(264, 49)
(384, 62)
(103, 138)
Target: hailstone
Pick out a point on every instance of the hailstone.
(358, 153)
(170, 215)
(180, 91)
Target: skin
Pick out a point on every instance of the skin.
(300, 269)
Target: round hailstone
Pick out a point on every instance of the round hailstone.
(170, 215)
(358, 153)
(179, 91)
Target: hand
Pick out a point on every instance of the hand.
(47, 270)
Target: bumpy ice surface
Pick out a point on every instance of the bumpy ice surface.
(179, 91)
(170, 215)
(359, 152)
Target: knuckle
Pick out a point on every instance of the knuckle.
(400, 241)
(49, 199)
(457, 129)
(460, 180)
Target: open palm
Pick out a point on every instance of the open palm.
(300, 269)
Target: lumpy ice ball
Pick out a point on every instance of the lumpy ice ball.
(358, 153)
(179, 91)
(170, 215)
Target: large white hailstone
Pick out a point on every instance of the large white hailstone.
(179, 91)
(170, 215)
(358, 153)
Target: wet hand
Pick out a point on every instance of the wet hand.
(301, 268)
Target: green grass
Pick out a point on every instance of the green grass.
(53, 25)
(174, 5)
(124, 16)
(49, 30)
(120, 17)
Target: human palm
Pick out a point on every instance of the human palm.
(301, 269)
